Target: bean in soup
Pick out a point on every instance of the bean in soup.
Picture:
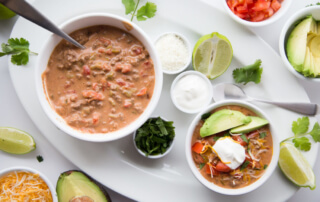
(257, 146)
(104, 87)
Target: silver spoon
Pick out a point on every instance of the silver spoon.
(27, 11)
(225, 91)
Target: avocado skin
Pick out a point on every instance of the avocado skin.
(99, 188)
(256, 123)
(223, 120)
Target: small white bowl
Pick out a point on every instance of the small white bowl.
(209, 93)
(284, 7)
(188, 45)
(246, 189)
(45, 179)
(88, 20)
(153, 156)
(287, 29)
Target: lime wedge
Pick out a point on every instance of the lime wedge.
(16, 141)
(295, 166)
(5, 13)
(212, 55)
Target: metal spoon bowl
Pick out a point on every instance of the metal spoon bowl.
(225, 91)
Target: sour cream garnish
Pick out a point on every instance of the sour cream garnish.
(191, 92)
(230, 152)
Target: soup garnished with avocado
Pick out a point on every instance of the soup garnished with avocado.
(232, 146)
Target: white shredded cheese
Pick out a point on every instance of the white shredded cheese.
(173, 52)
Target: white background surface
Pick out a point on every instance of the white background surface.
(12, 113)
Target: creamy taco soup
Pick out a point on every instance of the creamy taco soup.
(103, 87)
(212, 154)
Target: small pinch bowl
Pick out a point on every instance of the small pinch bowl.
(31, 170)
(285, 32)
(277, 15)
(87, 20)
(246, 189)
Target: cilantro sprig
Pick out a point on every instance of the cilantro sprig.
(300, 129)
(250, 73)
(144, 12)
(18, 49)
(155, 136)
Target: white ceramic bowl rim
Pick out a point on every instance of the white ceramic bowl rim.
(87, 20)
(210, 93)
(45, 179)
(188, 45)
(212, 186)
(284, 7)
(285, 32)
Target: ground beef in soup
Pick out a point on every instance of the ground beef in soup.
(103, 87)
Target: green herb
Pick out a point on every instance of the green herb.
(265, 166)
(244, 138)
(244, 165)
(145, 12)
(39, 158)
(313, 4)
(300, 130)
(262, 135)
(18, 49)
(250, 73)
(201, 165)
(155, 136)
(205, 116)
(216, 138)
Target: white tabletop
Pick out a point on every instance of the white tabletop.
(13, 114)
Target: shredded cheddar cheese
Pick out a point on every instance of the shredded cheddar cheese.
(24, 186)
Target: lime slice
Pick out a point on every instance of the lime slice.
(295, 166)
(16, 141)
(212, 55)
(5, 12)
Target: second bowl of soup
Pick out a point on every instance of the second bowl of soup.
(231, 147)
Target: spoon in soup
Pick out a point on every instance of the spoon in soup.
(225, 91)
(24, 9)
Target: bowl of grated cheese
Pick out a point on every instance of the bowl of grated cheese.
(25, 184)
(174, 51)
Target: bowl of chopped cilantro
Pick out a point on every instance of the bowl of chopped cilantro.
(155, 138)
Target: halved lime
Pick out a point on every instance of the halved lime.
(16, 141)
(212, 55)
(5, 13)
(295, 167)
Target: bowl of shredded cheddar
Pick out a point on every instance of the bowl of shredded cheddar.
(25, 184)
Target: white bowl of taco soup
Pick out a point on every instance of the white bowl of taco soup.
(232, 163)
(103, 92)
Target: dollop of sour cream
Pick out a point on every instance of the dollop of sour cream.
(230, 152)
(191, 92)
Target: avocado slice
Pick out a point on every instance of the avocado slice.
(308, 66)
(223, 120)
(297, 42)
(76, 186)
(256, 123)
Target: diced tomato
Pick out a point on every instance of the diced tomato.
(253, 134)
(119, 67)
(221, 167)
(240, 140)
(127, 103)
(242, 9)
(92, 95)
(126, 68)
(86, 70)
(275, 5)
(249, 1)
(142, 91)
(197, 147)
(121, 82)
(269, 12)
(261, 5)
(211, 170)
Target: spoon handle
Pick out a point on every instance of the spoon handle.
(27, 11)
(302, 108)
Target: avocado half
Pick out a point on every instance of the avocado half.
(223, 120)
(76, 186)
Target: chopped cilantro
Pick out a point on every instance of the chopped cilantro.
(39, 158)
(244, 138)
(315, 133)
(313, 4)
(302, 143)
(262, 135)
(145, 12)
(244, 165)
(265, 166)
(300, 126)
(216, 137)
(201, 165)
(205, 116)
(250, 73)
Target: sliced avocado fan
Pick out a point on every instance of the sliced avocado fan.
(256, 123)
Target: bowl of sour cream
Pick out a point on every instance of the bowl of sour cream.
(191, 92)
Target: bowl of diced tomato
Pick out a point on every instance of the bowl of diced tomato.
(256, 13)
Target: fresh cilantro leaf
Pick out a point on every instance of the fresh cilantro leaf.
(244, 165)
(129, 5)
(265, 166)
(201, 165)
(313, 4)
(19, 49)
(39, 158)
(315, 133)
(300, 126)
(262, 135)
(244, 138)
(205, 116)
(250, 73)
(302, 143)
(146, 11)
